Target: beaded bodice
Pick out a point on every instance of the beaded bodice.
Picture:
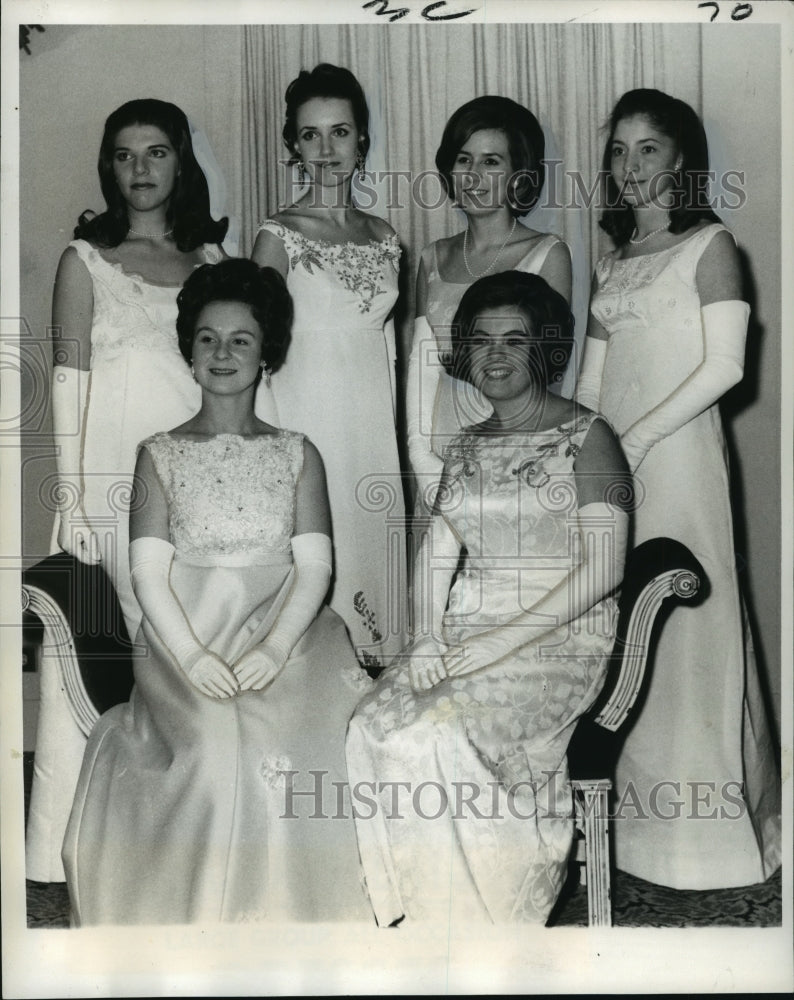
(229, 494)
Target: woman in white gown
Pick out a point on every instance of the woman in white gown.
(491, 165)
(465, 734)
(117, 377)
(697, 774)
(191, 805)
(338, 383)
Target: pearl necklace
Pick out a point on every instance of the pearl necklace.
(653, 232)
(150, 236)
(496, 258)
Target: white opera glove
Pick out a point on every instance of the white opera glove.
(150, 568)
(424, 373)
(313, 558)
(603, 537)
(436, 563)
(724, 338)
(69, 398)
(588, 385)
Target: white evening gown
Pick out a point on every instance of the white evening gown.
(465, 807)
(337, 386)
(139, 384)
(703, 719)
(190, 808)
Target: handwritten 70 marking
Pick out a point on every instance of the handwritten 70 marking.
(740, 12)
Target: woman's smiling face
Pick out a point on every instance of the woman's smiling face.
(502, 364)
(481, 171)
(227, 348)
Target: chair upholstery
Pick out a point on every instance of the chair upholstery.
(85, 668)
(657, 571)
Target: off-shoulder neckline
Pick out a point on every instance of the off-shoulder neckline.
(392, 238)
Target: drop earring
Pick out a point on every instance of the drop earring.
(301, 171)
(265, 372)
(361, 162)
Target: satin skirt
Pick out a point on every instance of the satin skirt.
(194, 809)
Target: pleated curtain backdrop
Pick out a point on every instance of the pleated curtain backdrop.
(414, 76)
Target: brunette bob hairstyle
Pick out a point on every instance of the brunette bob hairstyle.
(525, 142)
(547, 320)
(238, 280)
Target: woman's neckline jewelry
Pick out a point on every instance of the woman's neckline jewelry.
(647, 236)
(150, 236)
(496, 258)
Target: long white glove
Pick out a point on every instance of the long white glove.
(424, 372)
(150, 568)
(69, 395)
(435, 567)
(313, 558)
(588, 385)
(724, 339)
(603, 534)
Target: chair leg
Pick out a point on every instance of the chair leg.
(594, 807)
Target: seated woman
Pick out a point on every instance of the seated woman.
(188, 806)
(464, 737)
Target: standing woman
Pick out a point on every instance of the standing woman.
(114, 311)
(338, 383)
(666, 340)
(491, 165)
(118, 376)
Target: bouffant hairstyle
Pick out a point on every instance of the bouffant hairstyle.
(238, 280)
(546, 317)
(325, 80)
(679, 122)
(189, 206)
(525, 141)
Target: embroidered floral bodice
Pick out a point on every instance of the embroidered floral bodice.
(342, 278)
(130, 313)
(229, 494)
(512, 500)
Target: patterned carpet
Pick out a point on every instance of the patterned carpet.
(635, 903)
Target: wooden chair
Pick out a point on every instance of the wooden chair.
(657, 571)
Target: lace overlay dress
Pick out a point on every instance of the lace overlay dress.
(187, 809)
(483, 828)
(703, 719)
(337, 387)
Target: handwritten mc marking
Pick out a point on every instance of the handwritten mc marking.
(394, 14)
